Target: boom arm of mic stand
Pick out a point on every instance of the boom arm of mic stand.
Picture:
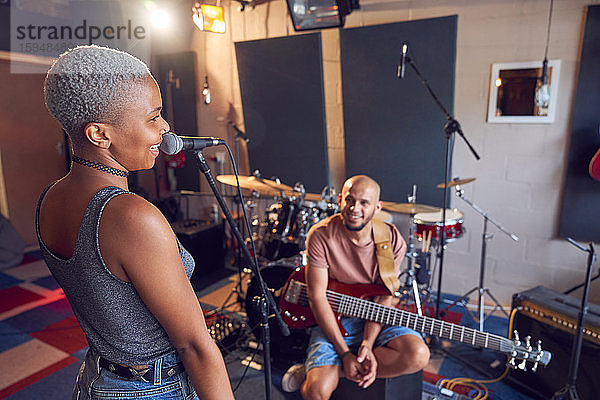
(452, 125)
(268, 296)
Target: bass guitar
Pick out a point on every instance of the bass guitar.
(350, 301)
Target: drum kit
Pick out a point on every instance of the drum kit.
(280, 234)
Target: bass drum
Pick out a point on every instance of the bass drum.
(286, 228)
(284, 350)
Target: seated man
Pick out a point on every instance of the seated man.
(342, 247)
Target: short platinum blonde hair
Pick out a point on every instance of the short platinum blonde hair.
(92, 84)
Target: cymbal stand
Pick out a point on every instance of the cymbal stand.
(411, 279)
(481, 289)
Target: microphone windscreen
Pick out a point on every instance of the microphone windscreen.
(171, 144)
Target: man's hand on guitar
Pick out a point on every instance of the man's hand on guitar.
(361, 368)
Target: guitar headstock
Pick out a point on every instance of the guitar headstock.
(525, 352)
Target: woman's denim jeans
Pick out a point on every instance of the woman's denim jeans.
(95, 383)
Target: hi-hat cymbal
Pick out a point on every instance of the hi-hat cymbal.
(456, 182)
(408, 208)
(262, 186)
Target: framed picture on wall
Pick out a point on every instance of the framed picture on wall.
(520, 94)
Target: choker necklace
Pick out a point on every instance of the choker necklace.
(99, 166)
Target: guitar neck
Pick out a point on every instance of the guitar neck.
(365, 309)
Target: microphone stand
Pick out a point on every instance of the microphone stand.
(238, 200)
(265, 302)
(452, 126)
(569, 391)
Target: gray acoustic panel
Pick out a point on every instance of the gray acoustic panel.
(394, 131)
(281, 82)
(580, 216)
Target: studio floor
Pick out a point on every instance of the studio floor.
(42, 345)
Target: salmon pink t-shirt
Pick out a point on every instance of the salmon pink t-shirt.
(328, 246)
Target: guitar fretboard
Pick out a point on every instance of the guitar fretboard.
(360, 308)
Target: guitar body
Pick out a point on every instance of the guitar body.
(595, 166)
(300, 315)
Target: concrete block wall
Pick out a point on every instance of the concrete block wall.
(522, 167)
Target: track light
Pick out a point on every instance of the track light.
(208, 18)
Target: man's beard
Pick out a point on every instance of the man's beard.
(359, 227)
(355, 228)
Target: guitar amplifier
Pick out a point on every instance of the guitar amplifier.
(552, 318)
(205, 242)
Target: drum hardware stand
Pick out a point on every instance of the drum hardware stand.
(411, 279)
(569, 391)
(452, 126)
(481, 289)
(265, 303)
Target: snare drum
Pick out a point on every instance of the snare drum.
(432, 222)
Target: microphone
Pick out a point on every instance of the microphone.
(173, 144)
(402, 66)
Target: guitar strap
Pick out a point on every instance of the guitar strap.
(385, 256)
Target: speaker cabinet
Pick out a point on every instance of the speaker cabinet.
(403, 387)
(551, 317)
(205, 242)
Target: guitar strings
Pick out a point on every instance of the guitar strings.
(345, 303)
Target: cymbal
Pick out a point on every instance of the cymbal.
(312, 197)
(262, 186)
(456, 182)
(408, 208)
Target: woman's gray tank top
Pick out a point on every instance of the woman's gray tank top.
(116, 322)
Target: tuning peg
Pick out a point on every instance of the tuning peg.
(511, 363)
(523, 365)
(516, 335)
(538, 356)
(528, 343)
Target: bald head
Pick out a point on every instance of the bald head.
(363, 181)
(359, 201)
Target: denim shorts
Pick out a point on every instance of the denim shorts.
(95, 383)
(321, 352)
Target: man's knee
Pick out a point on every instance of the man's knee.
(420, 355)
(320, 382)
(412, 351)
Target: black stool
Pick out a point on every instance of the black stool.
(403, 387)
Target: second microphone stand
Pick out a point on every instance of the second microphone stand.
(265, 303)
(569, 391)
